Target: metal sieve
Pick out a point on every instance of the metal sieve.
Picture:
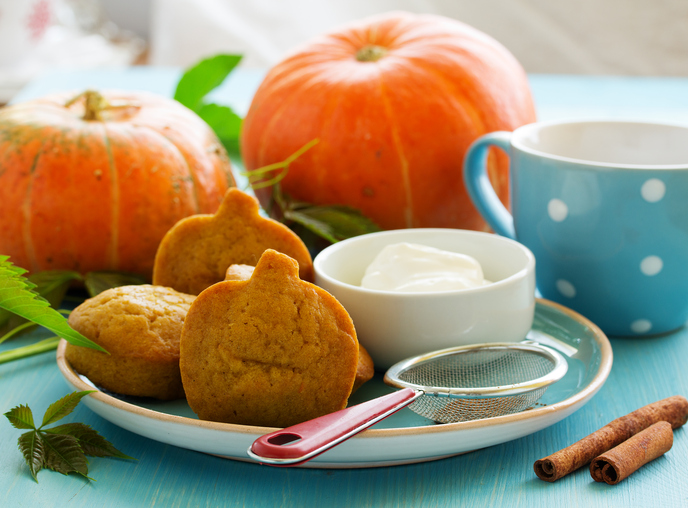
(448, 386)
(475, 382)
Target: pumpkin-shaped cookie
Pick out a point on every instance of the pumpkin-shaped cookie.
(270, 351)
(365, 369)
(196, 252)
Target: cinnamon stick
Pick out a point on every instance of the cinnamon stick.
(673, 410)
(620, 462)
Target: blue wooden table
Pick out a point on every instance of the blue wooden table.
(644, 370)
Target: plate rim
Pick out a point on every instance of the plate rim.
(604, 368)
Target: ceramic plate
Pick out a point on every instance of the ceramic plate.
(402, 438)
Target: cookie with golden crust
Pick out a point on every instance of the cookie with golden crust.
(365, 369)
(270, 351)
(140, 327)
(196, 252)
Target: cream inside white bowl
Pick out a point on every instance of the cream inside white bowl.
(394, 325)
(414, 268)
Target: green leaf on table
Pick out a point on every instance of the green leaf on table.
(91, 442)
(16, 296)
(226, 124)
(63, 454)
(61, 408)
(202, 78)
(31, 446)
(333, 223)
(62, 448)
(21, 417)
(97, 282)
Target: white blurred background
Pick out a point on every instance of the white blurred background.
(603, 37)
(638, 37)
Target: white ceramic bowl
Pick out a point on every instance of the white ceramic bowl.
(394, 326)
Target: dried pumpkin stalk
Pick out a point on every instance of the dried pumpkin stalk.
(673, 410)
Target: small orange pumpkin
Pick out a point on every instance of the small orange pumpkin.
(395, 101)
(95, 182)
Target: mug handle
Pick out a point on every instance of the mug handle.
(479, 186)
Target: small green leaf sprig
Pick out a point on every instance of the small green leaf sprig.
(62, 448)
(332, 223)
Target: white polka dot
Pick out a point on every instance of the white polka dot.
(566, 288)
(653, 190)
(557, 210)
(641, 326)
(651, 265)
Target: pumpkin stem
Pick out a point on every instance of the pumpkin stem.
(370, 53)
(94, 104)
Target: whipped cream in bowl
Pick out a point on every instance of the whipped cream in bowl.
(432, 289)
(414, 268)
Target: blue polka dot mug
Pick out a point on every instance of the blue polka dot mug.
(603, 205)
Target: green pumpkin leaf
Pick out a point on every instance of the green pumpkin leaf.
(90, 441)
(63, 454)
(333, 223)
(226, 124)
(97, 282)
(21, 417)
(31, 447)
(17, 297)
(61, 408)
(202, 78)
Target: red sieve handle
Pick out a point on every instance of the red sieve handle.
(300, 443)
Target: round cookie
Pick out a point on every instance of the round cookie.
(270, 351)
(196, 252)
(140, 326)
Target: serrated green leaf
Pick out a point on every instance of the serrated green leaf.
(91, 442)
(61, 408)
(334, 223)
(97, 282)
(21, 417)
(63, 454)
(31, 447)
(50, 284)
(226, 124)
(205, 76)
(16, 297)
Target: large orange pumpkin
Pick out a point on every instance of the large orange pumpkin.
(94, 183)
(395, 101)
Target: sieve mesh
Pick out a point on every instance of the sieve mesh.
(489, 369)
(451, 410)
